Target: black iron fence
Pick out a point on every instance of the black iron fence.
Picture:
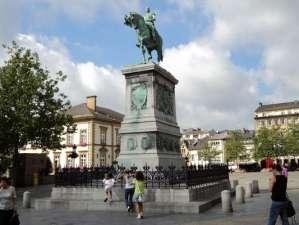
(187, 177)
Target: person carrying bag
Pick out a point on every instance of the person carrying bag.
(278, 186)
(291, 210)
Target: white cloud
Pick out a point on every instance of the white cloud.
(212, 92)
(83, 79)
(9, 23)
(268, 26)
(271, 26)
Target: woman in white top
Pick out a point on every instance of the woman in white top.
(108, 185)
(7, 201)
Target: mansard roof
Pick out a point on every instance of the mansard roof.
(277, 106)
(101, 113)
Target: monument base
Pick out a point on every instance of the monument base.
(149, 132)
(151, 160)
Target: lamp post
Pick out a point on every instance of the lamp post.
(73, 155)
(115, 165)
(187, 161)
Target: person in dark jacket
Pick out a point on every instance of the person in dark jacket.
(278, 186)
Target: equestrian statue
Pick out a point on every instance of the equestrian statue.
(148, 38)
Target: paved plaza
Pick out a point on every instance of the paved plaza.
(253, 212)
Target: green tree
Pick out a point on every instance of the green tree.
(269, 142)
(207, 153)
(234, 149)
(291, 140)
(32, 108)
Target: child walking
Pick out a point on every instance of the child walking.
(139, 194)
(108, 185)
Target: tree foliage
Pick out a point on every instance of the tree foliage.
(274, 142)
(207, 153)
(291, 140)
(234, 149)
(32, 108)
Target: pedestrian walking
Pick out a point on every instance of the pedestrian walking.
(285, 169)
(278, 186)
(108, 186)
(8, 213)
(138, 197)
(129, 189)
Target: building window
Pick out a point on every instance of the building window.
(83, 137)
(69, 139)
(103, 135)
(103, 157)
(70, 162)
(117, 151)
(83, 160)
(192, 158)
(57, 160)
(269, 122)
(117, 136)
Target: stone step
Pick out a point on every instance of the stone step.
(153, 207)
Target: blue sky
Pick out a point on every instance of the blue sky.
(104, 39)
(227, 54)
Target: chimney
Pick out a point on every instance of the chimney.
(91, 102)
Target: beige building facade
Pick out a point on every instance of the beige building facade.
(193, 141)
(96, 140)
(277, 115)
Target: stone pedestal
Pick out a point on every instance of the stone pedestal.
(149, 133)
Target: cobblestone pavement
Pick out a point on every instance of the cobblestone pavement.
(253, 212)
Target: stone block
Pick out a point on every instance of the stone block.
(226, 201)
(240, 194)
(248, 190)
(255, 186)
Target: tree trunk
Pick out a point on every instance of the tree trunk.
(15, 166)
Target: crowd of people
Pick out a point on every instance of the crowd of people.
(134, 190)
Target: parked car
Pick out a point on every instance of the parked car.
(250, 167)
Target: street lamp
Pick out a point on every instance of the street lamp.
(187, 161)
(115, 165)
(74, 154)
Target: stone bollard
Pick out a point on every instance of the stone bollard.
(226, 201)
(248, 190)
(235, 183)
(255, 186)
(240, 194)
(26, 199)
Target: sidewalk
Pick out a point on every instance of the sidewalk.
(254, 212)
